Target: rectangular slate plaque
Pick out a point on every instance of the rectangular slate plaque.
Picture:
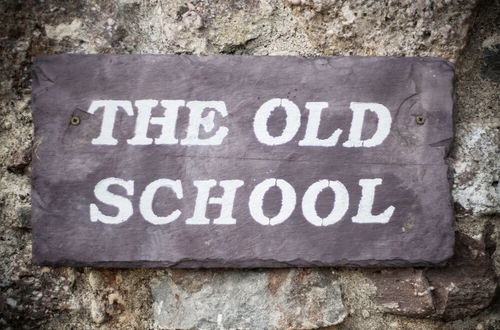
(236, 161)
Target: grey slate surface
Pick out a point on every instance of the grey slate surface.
(411, 161)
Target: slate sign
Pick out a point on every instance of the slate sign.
(237, 161)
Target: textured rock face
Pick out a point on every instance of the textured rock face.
(416, 28)
(462, 288)
(476, 156)
(467, 284)
(277, 299)
(461, 31)
(403, 292)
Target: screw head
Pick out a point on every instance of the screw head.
(75, 120)
(420, 120)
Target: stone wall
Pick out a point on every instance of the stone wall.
(460, 295)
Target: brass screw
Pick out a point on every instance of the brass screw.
(420, 120)
(75, 120)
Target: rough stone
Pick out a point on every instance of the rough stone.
(467, 284)
(96, 280)
(403, 292)
(491, 67)
(423, 28)
(475, 158)
(476, 188)
(296, 299)
(97, 312)
(19, 161)
(23, 217)
(63, 30)
(192, 20)
(463, 288)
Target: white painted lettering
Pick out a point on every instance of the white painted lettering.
(366, 204)
(261, 118)
(123, 204)
(256, 201)
(147, 197)
(197, 121)
(167, 122)
(226, 201)
(340, 206)
(383, 125)
(312, 128)
(111, 107)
